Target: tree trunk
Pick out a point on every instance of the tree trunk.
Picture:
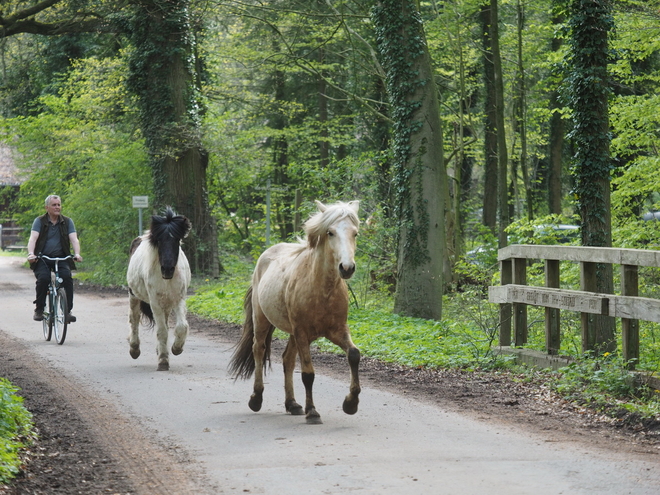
(489, 216)
(591, 21)
(162, 76)
(502, 157)
(521, 114)
(556, 145)
(420, 177)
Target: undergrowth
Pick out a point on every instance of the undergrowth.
(16, 430)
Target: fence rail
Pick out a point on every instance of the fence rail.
(10, 237)
(514, 294)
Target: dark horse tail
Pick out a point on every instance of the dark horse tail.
(147, 314)
(242, 362)
(145, 308)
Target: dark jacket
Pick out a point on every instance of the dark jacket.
(64, 236)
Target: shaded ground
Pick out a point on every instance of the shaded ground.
(85, 448)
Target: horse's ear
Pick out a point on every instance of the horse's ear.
(320, 206)
(354, 205)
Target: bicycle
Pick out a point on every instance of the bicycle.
(55, 314)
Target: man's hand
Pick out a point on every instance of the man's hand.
(77, 257)
(31, 258)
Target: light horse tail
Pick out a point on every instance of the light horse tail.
(242, 363)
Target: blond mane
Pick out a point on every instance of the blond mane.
(316, 227)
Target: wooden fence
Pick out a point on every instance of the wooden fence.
(10, 235)
(514, 294)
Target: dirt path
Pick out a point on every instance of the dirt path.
(90, 445)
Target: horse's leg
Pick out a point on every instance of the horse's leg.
(261, 328)
(162, 330)
(134, 322)
(344, 341)
(181, 328)
(312, 417)
(289, 363)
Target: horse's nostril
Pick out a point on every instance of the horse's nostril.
(345, 271)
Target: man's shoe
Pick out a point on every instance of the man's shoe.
(38, 315)
(70, 318)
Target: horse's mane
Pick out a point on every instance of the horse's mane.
(171, 224)
(316, 227)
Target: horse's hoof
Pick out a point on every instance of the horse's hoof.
(255, 403)
(135, 352)
(350, 406)
(313, 418)
(163, 366)
(177, 350)
(294, 409)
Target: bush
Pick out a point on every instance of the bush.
(16, 430)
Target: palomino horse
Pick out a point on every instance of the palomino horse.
(300, 289)
(158, 277)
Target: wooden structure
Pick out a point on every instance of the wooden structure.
(11, 236)
(514, 294)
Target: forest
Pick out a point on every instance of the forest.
(460, 125)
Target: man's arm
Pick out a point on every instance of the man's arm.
(73, 237)
(32, 243)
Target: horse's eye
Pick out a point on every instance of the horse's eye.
(330, 233)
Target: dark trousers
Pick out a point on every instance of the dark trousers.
(42, 271)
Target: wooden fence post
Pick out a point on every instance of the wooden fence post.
(588, 283)
(520, 310)
(630, 327)
(552, 327)
(505, 309)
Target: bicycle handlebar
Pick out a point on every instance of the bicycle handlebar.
(69, 257)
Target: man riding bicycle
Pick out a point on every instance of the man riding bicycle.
(53, 235)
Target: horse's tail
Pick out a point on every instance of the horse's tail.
(147, 314)
(242, 363)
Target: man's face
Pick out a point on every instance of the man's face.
(54, 207)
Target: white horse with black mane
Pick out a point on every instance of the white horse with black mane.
(158, 277)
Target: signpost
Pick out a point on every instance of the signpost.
(268, 190)
(140, 202)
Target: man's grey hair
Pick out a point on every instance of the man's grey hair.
(52, 196)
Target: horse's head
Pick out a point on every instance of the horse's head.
(337, 227)
(165, 235)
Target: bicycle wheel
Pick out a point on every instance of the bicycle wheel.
(47, 322)
(59, 316)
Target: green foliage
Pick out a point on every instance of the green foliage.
(223, 300)
(543, 230)
(16, 430)
(83, 147)
(604, 384)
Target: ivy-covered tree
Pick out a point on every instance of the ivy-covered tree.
(420, 179)
(591, 21)
(162, 75)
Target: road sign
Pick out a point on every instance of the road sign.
(140, 201)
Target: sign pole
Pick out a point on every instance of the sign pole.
(140, 202)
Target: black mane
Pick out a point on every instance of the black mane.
(169, 225)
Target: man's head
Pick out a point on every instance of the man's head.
(53, 205)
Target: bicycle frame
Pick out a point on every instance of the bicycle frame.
(56, 310)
